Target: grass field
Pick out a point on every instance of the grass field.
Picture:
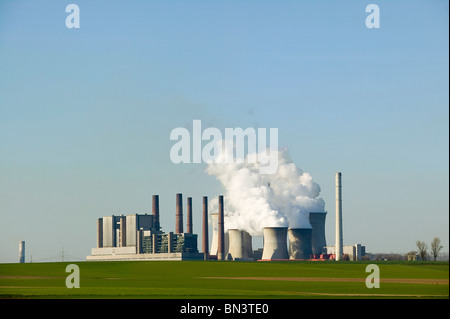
(212, 279)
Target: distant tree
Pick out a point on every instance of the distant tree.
(436, 247)
(422, 247)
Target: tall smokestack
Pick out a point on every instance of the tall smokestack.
(155, 211)
(221, 232)
(205, 228)
(300, 243)
(275, 243)
(179, 215)
(189, 216)
(318, 241)
(21, 252)
(339, 237)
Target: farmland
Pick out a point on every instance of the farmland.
(225, 280)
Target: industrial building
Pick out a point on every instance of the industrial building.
(350, 252)
(139, 237)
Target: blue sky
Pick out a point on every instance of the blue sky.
(86, 114)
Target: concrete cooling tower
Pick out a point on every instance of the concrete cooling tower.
(215, 236)
(318, 241)
(300, 243)
(240, 245)
(275, 243)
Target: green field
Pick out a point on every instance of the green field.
(212, 279)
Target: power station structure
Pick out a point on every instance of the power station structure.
(21, 252)
(339, 236)
(139, 237)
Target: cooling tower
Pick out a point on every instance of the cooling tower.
(179, 215)
(339, 239)
(213, 250)
(275, 243)
(300, 243)
(240, 245)
(215, 236)
(21, 252)
(318, 241)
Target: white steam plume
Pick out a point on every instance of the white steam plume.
(254, 201)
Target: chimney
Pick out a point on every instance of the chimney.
(155, 211)
(189, 216)
(21, 252)
(221, 232)
(275, 243)
(300, 243)
(339, 237)
(205, 228)
(179, 215)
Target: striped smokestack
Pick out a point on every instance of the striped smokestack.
(179, 214)
(221, 232)
(189, 216)
(155, 211)
(205, 228)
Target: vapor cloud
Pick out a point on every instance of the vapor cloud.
(254, 201)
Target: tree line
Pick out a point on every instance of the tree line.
(425, 252)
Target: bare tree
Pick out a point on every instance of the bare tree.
(436, 247)
(422, 247)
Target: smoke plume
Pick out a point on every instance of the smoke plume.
(254, 201)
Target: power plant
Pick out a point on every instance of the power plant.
(139, 237)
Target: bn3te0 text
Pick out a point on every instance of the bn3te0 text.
(246, 308)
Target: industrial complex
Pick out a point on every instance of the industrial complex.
(139, 237)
